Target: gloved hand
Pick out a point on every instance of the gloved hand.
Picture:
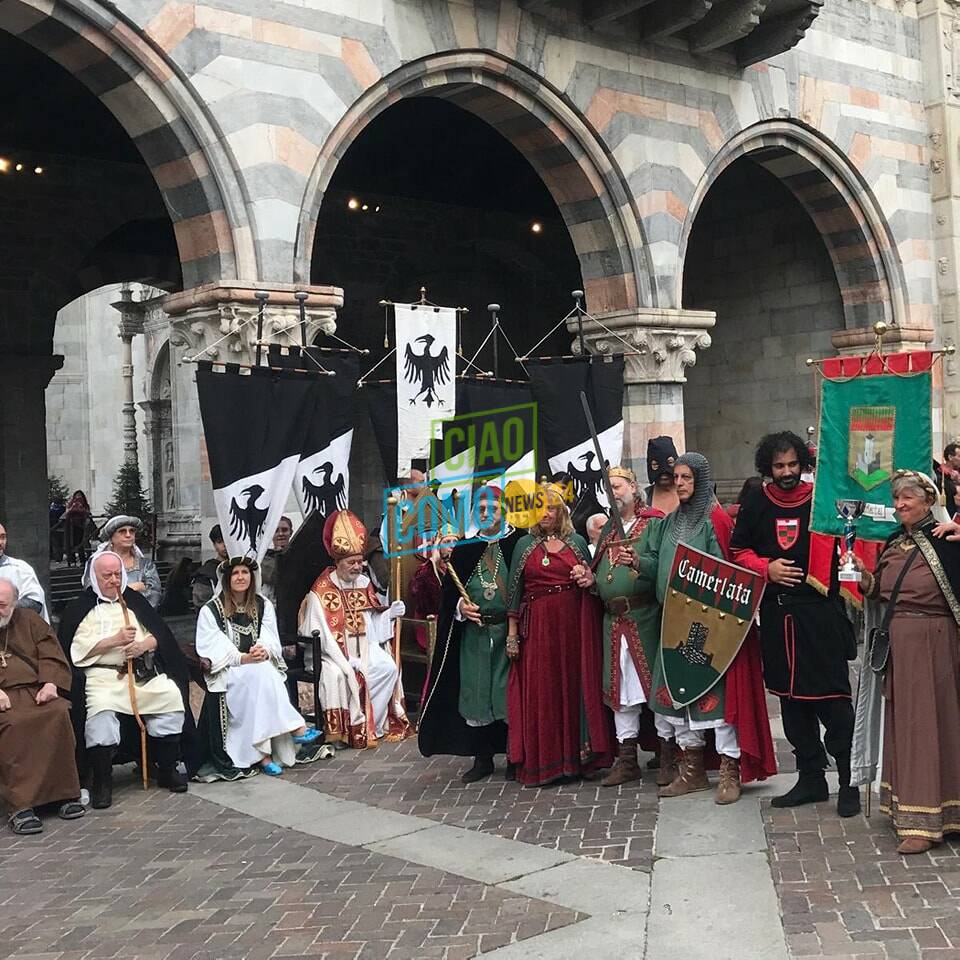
(397, 609)
(355, 663)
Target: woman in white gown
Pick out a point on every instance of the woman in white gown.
(247, 719)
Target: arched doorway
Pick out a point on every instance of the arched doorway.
(103, 179)
(784, 244)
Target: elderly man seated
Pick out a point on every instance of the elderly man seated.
(110, 629)
(22, 576)
(36, 740)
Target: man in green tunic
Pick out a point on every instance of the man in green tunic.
(692, 523)
(631, 627)
(465, 710)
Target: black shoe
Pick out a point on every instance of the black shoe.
(482, 767)
(848, 802)
(511, 772)
(809, 788)
(167, 752)
(101, 766)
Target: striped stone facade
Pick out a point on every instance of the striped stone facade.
(243, 108)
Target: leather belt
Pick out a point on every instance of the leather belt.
(618, 606)
(548, 591)
(492, 618)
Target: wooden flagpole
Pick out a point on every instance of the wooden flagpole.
(132, 690)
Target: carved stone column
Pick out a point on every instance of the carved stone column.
(131, 324)
(659, 346)
(940, 54)
(218, 322)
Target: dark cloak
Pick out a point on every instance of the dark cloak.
(297, 570)
(169, 658)
(442, 729)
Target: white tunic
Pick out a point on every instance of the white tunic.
(260, 717)
(105, 690)
(21, 575)
(338, 682)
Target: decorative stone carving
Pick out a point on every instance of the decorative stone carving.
(220, 322)
(659, 344)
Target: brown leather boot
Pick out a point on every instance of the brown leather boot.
(626, 769)
(669, 763)
(692, 777)
(728, 786)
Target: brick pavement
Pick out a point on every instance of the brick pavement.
(163, 877)
(613, 824)
(844, 891)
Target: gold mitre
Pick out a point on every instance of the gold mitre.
(624, 472)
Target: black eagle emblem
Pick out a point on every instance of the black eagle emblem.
(426, 371)
(588, 480)
(246, 523)
(327, 496)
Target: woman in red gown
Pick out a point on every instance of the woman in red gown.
(558, 725)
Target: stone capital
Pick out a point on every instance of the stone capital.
(896, 339)
(658, 344)
(131, 314)
(220, 319)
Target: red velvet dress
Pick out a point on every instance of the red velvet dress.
(558, 725)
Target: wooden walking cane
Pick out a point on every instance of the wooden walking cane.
(394, 550)
(132, 690)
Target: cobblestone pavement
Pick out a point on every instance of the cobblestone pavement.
(613, 824)
(844, 891)
(162, 877)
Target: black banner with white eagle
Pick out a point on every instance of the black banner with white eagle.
(322, 479)
(564, 435)
(254, 424)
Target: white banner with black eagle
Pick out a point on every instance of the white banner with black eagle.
(426, 376)
(254, 425)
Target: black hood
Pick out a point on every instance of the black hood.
(660, 449)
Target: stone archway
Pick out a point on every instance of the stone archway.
(576, 168)
(163, 118)
(841, 206)
(787, 247)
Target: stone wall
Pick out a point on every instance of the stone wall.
(755, 258)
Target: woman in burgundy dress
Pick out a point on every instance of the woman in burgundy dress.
(558, 725)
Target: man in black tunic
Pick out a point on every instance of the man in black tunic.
(805, 636)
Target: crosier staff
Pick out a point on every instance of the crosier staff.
(393, 547)
(132, 690)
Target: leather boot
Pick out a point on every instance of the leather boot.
(728, 786)
(848, 798)
(101, 767)
(482, 767)
(669, 763)
(166, 750)
(692, 777)
(811, 787)
(626, 769)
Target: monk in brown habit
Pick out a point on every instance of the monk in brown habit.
(37, 765)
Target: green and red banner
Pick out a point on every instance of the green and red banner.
(708, 609)
(875, 418)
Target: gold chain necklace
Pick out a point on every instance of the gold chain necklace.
(489, 588)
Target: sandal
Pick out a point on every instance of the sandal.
(71, 810)
(308, 736)
(26, 821)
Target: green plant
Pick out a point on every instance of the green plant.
(57, 490)
(129, 497)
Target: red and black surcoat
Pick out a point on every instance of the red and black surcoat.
(805, 635)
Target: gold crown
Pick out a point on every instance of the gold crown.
(624, 472)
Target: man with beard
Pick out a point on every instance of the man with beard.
(359, 681)
(631, 628)
(107, 631)
(36, 740)
(805, 635)
(465, 710)
(662, 492)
